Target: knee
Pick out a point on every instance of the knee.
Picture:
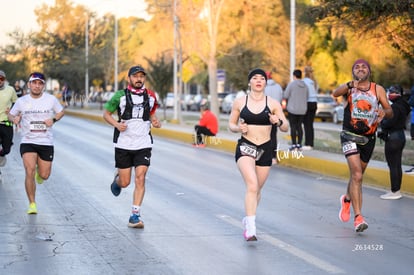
(123, 182)
(356, 177)
(252, 188)
(140, 180)
(44, 176)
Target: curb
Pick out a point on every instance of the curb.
(372, 176)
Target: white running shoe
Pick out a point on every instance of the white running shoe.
(410, 171)
(391, 196)
(249, 232)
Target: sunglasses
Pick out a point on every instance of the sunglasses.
(2, 79)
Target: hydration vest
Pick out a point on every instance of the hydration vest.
(127, 114)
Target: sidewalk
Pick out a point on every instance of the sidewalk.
(324, 163)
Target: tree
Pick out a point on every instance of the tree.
(61, 42)
(160, 76)
(18, 59)
(243, 58)
(391, 19)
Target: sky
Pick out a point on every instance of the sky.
(20, 13)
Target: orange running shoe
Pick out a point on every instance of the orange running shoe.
(360, 224)
(345, 211)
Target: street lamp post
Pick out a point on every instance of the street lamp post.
(176, 99)
(116, 56)
(86, 61)
(292, 38)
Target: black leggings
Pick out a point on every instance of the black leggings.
(393, 153)
(308, 123)
(6, 139)
(200, 131)
(296, 131)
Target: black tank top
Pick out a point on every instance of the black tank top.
(261, 118)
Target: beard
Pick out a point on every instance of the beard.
(138, 85)
(361, 79)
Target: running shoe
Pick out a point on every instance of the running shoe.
(292, 147)
(410, 171)
(32, 208)
(199, 145)
(38, 178)
(135, 221)
(391, 196)
(249, 232)
(116, 190)
(3, 161)
(345, 211)
(360, 224)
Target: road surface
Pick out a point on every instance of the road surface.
(192, 212)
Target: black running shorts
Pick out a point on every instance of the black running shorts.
(45, 152)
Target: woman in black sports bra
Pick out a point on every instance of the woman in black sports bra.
(253, 117)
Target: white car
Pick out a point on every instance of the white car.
(329, 109)
(228, 100)
(169, 101)
(338, 115)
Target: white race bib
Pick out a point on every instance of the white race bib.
(348, 147)
(37, 126)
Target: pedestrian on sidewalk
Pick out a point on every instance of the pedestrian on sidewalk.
(275, 91)
(393, 133)
(411, 103)
(207, 125)
(361, 117)
(135, 106)
(253, 116)
(7, 98)
(296, 95)
(36, 113)
(312, 105)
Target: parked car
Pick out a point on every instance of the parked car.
(326, 105)
(227, 103)
(338, 115)
(169, 101)
(221, 97)
(228, 100)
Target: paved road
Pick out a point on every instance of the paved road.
(192, 211)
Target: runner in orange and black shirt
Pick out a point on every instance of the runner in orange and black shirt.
(361, 117)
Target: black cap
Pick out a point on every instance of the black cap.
(395, 89)
(255, 72)
(136, 69)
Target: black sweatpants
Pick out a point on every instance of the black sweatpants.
(393, 153)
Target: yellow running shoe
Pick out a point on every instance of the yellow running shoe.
(38, 179)
(32, 208)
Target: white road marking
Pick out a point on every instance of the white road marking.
(315, 261)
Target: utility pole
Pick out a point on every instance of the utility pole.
(175, 68)
(292, 38)
(116, 56)
(86, 61)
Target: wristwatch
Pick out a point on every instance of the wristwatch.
(280, 123)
